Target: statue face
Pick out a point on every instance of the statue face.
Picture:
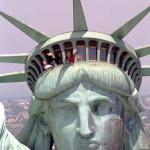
(87, 118)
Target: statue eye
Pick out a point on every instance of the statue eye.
(101, 109)
(95, 109)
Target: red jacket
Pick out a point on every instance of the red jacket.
(71, 59)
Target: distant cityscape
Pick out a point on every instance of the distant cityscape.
(16, 110)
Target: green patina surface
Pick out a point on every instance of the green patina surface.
(83, 105)
(143, 51)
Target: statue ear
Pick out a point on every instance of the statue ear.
(129, 131)
(132, 123)
(44, 123)
(134, 133)
(129, 122)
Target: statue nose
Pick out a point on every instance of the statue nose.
(86, 123)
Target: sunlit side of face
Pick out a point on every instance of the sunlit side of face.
(87, 118)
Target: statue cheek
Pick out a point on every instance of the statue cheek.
(110, 131)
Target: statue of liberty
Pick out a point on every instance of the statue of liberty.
(85, 89)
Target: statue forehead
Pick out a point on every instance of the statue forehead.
(85, 90)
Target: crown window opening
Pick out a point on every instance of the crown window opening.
(40, 60)
(135, 78)
(131, 67)
(30, 74)
(138, 79)
(33, 73)
(48, 63)
(68, 46)
(123, 54)
(30, 85)
(31, 68)
(113, 54)
(34, 63)
(92, 50)
(132, 75)
(139, 83)
(58, 54)
(81, 50)
(45, 57)
(70, 52)
(30, 82)
(126, 63)
(104, 51)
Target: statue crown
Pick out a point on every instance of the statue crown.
(78, 46)
(88, 47)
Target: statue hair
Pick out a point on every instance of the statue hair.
(102, 75)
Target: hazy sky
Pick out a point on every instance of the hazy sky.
(54, 17)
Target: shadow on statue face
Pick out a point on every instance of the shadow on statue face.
(85, 118)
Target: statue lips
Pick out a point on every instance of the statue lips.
(92, 145)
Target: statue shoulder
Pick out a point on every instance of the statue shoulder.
(7, 140)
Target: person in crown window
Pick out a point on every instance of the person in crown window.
(71, 56)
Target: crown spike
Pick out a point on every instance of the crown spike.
(127, 27)
(13, 77)
(14, 58)
(145, 70)
(78, 17)
(28, 30)
(143, 51)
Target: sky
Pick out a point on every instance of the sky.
(55, 17)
